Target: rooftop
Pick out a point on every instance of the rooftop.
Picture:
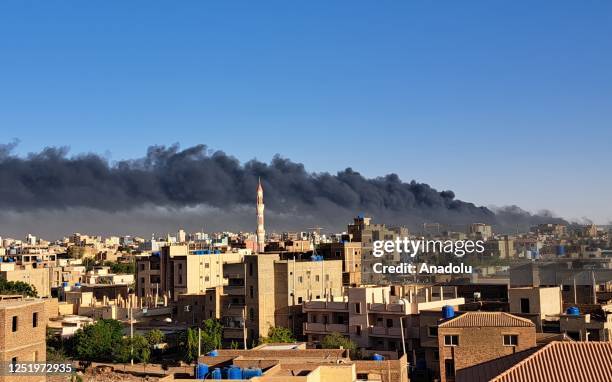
(486, 319)
(564, 362)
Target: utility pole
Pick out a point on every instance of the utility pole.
(131, 336)
(199, 342)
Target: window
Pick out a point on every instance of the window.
(14, 323)
(207, 265)
(252, 314)
(206, 278)
(389, 323)
(449, 368)
(510, 340)
(358, 307)
(299, 300)
(299, 279)
(524, 305)
(358, 330)
(251, 291)
(432, 331)
(317, 278)
(451, 340)
(35, 320)
(436, 355)
(250, 269)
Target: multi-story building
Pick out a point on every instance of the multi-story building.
(176, 270)
(377, 318)
(38, 277)
(473, 338)
(350, 254)
(22, 333)
(481, 231)
(364, 231)
(266, 291)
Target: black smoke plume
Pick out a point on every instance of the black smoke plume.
(197, 187)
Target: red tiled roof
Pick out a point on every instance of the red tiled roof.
(486, 319)
(564, 362)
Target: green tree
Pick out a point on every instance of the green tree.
(155, 337)
(278, 334)
(336, 340)
(189, 345)
(17, 287)
(98, 342)
(136, 348)
(212, 334)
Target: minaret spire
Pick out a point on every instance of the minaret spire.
(261, 232)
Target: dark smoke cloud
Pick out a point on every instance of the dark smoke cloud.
(169, 183)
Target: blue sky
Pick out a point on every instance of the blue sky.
(505, 102)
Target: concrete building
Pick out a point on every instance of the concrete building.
(476, 337)
(481, 231)
(364, 231)
(38, 277)
(535, 303)
(376, 318)
(272, 291)
(23, 324)
(350, 254)
(176, 270)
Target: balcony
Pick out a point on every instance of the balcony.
(394, 308)
(233, 333)
(314, 327)
(381, 331)
(325, 306)
(234, 290)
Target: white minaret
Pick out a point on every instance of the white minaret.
(261, 232)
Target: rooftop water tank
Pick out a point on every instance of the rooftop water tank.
(560, 250)
(216, 373)
(448, 312)
(251, 372)
(213, 353)
(201, 371)
(234, 372)
(378, 357)
(573, 311)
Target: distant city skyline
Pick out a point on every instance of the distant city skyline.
(505, 103)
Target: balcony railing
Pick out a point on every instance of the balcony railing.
(387, 332)
(325, 328)
(325, 305)
(396, 308)
(234, 290)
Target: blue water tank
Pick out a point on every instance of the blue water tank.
(378, 357)
(201, 371)
(216, 373)
(448, 312)
(65, 284)
(213, 353)
(573, 311)
(251, 372)
(560, 250)
(234, 372)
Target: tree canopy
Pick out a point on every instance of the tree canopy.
(17, 287)
(278, 334)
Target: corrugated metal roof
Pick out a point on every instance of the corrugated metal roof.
(486, 319)
(564, 362)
